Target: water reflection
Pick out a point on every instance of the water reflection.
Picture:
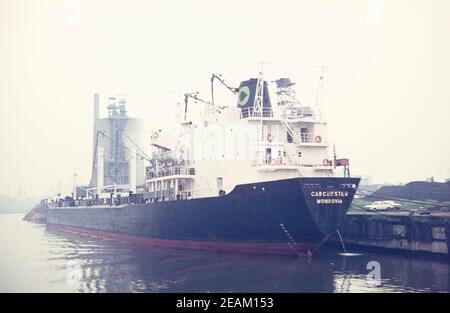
(51, 260)
(109, 266)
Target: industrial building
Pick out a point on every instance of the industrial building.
(118, 159)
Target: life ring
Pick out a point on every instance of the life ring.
(205, 124)
(326, 162)
(269, 137)
(318, 139)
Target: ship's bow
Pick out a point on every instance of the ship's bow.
(328, 200)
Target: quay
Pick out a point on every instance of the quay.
(400, 231)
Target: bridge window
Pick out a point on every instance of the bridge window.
(304, 133)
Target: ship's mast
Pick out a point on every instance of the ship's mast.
(75, 174)
(258, 106)
(258, 103)
(320, 87)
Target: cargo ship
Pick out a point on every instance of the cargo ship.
(250, 177)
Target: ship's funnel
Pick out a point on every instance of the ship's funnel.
(246, 97)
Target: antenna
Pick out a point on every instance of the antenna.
(261, 63)
(320, 86)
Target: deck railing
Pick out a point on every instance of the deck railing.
(250, 112)
(298, 113)
(119, 200)
(176, 170)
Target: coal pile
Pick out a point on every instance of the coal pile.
(418, 190)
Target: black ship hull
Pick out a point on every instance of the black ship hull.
(290, 216)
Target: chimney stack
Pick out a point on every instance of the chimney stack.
(96, 106)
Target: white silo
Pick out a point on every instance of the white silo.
(121, 141)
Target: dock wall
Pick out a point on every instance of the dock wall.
(409, 232)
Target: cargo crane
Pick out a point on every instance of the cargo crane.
(192, 95)
(220, 79)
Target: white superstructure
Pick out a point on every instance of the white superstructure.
(251, 142)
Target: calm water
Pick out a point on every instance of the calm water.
(36, 259)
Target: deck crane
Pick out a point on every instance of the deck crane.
(192, 95)
(220, 79)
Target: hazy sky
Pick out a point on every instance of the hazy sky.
(387, 95)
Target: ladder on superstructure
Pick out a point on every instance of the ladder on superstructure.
(291, 132)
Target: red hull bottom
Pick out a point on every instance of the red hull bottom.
(292, 249)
